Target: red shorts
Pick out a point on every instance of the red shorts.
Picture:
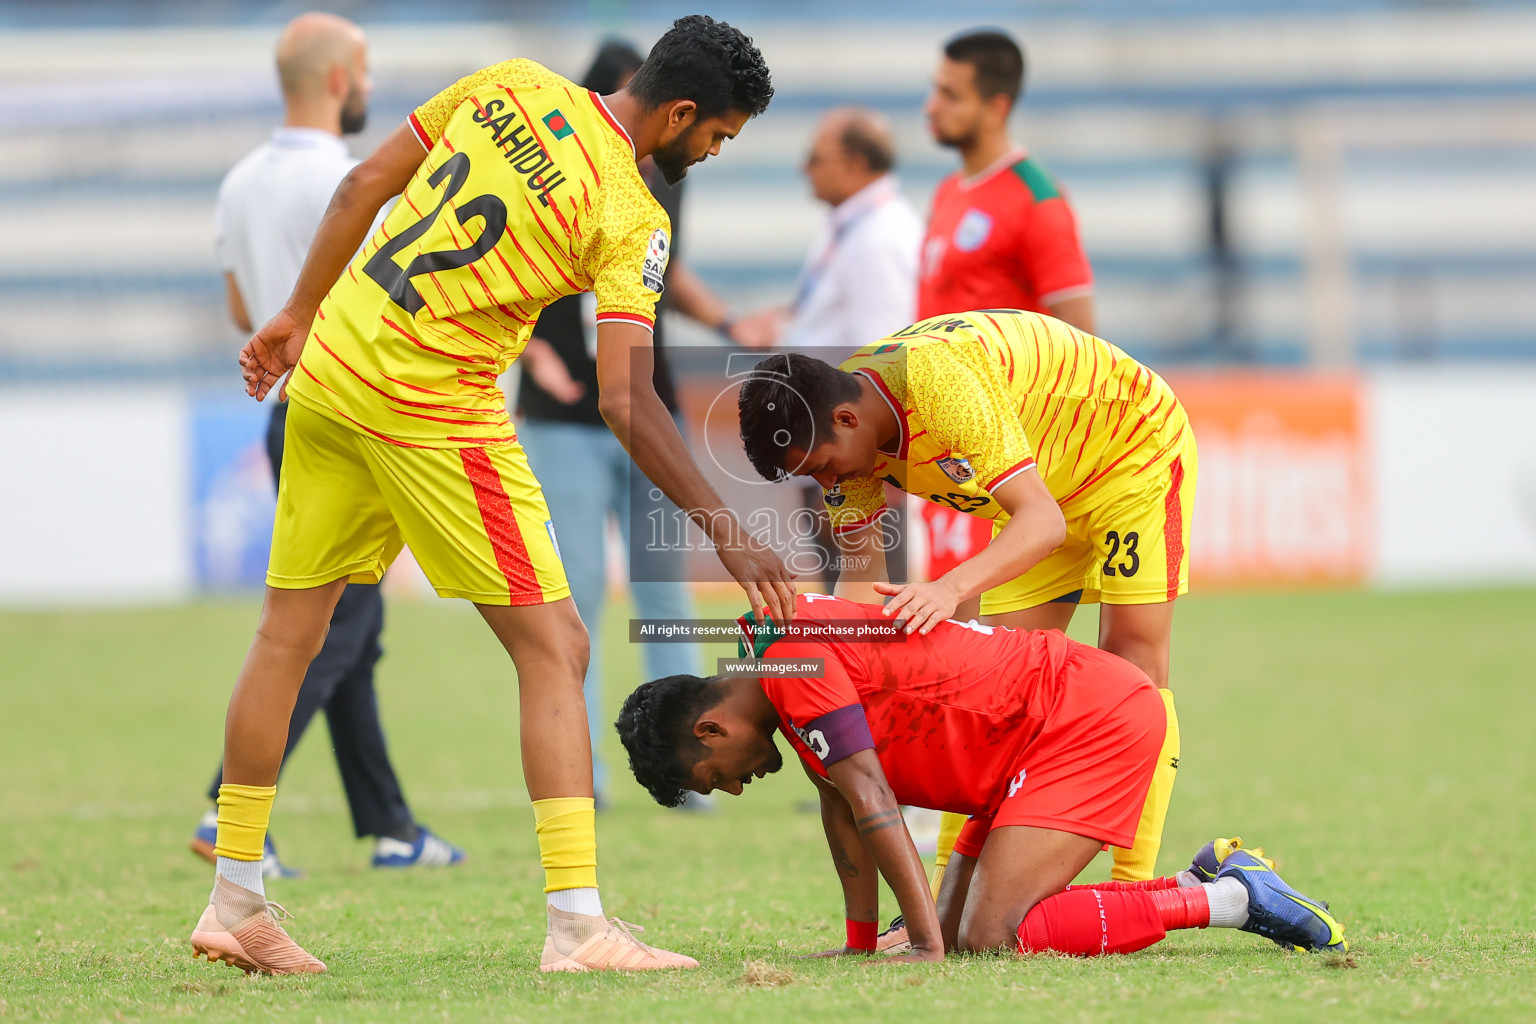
(953, 537)
(1088, 770)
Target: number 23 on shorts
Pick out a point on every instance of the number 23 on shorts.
(1125, 549)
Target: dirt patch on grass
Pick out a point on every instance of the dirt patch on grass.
(762, 974)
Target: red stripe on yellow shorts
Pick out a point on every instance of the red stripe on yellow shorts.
(501, 525)
(1173, 526)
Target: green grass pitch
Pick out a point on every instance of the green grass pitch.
(1383, 747)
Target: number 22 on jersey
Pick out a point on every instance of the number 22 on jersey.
(397, 281)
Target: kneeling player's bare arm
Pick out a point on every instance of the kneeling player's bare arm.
(856, 871)
(275, 348)
(877, 820)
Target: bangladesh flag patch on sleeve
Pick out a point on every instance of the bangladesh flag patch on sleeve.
(558, 125)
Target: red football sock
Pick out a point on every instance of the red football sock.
(1183, 908)
(1092, 922)
(1147, 885)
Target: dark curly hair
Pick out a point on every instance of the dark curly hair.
(787, 402)
(706, 61)
(656, 727)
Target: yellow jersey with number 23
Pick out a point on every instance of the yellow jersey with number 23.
(983, 396)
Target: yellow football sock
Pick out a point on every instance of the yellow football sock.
(1140, 861)
(567, 831)
(243, 815)
(949, 831)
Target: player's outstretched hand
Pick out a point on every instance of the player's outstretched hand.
(763, 575)
(272, 352)
(923, 605)
(917, 956)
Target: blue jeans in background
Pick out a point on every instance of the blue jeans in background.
(587, 476)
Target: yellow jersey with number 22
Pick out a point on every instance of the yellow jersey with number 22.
(529, 191)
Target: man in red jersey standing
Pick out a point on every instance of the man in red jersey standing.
(1001, 234)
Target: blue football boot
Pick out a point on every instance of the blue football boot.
(1280, 913)
(428, 851)
(207, 835)
(1209, 860)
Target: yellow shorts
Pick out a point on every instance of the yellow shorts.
(475, 518)
(1132, 550)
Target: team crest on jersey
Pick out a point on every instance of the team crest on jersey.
(656, 256)
(834, 498)
(958, 470)
(972, 230)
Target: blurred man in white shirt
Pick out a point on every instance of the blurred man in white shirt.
(270, 206)
(859, 281)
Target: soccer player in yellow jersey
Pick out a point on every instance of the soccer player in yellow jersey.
(1082, 458)
(516, 187)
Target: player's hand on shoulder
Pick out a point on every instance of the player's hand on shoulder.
(272, 352)
(762, 574)
(922, 605)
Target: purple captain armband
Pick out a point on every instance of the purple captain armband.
(836, 734)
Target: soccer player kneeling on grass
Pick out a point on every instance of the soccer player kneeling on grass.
(1048, 744)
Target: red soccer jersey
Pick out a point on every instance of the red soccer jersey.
(949, 714)
(1005, 239)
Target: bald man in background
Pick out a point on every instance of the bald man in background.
(270, 205)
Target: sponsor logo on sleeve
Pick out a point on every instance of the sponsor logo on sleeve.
(656, 256)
